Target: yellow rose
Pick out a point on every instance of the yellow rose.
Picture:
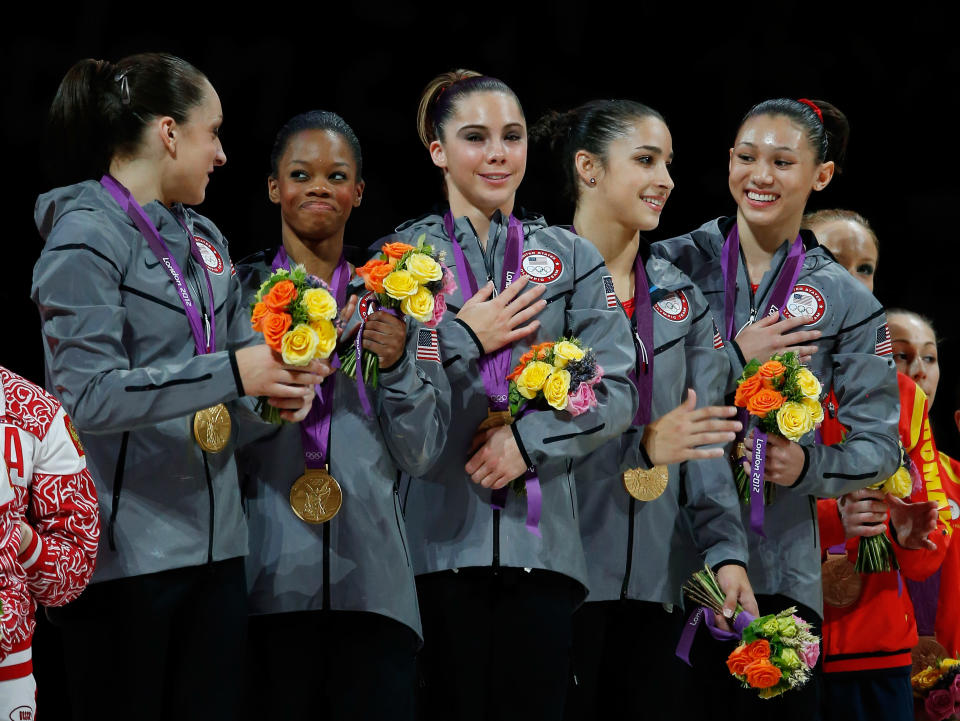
(424, 268)
(532, 378)
(793, 420)
(299, 345)
(564, 352)
(556, 388)
(400, 284)
(813, 408)
(948, 663)
(319, 304)
(419, 306)
(899, 484)
(326, 337)
(808, 383)
(926, 678)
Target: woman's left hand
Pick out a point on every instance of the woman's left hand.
(498, 460)
(784, 460)
(737, 589)
(385, 336)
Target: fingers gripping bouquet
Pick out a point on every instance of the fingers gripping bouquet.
(776, 652)
(783, 397)
(296, 313)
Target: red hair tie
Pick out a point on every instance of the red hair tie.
(813, 105)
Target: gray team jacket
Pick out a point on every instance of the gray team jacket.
(120, 356)
(449, 518)
(853, 325)
(359, 560)
(646, 550)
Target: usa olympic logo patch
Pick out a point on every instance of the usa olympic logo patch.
(211, 258)
(363, 307)
(674, 306)
(805, 301)
(541, 266)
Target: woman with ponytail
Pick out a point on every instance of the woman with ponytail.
(498, 573)
(146, 341)
(634, 518)
(765, 278)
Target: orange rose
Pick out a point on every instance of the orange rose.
(515, 373)
(259, 310)
(747, 389)
(274, 325)
(364, 270)
(542, 348)
(738, 660)
(763, 674)
(395, 251)
(764, 401)
(374, 279)
(280, 297)
(771, 369)
(759, 649)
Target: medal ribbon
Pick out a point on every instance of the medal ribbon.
(495, 366)
(925, 596)
(315, 428)
(204, 342)
(782, 287)
(704, 614)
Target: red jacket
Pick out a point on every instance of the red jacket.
(55, 495)
(947, 626)
(879, 630)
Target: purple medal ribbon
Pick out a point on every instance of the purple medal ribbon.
(783, 286)
(204, 342)
(704, 614)
(926, 597)
(495, 366)
(315, 428)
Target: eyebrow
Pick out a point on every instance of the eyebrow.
(779, 147)
(307, 162)
(476, 126)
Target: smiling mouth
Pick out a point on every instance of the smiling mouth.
(496, 177)
(758, 197)
(655, 201)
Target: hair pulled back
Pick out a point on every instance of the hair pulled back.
(827, 136)
(917, 316)
(101, 108)
(439, 99)
(591, 127)
(822, 217)
(315, 120)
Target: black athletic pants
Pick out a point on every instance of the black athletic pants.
(881, 695)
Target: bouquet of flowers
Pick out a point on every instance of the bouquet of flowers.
(938, 686)
(411, 280)
(295, 312)
(784, 396)
(875, 553)
(776, 652)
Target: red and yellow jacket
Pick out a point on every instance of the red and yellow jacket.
(879, 630)
(947, 627)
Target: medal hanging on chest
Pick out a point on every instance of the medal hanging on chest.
(211, 426)
(644, 484)
(842, 584)
(316, 497)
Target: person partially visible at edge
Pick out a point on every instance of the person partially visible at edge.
(787, 294)
(334, 605)
(869, 627)
(146, 339)
(616, 156)
(497, 589)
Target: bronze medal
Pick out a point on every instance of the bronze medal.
(211, 428)
(842, 584)
(927, 653)
(495, 419)
(316, 496)
(646, 485)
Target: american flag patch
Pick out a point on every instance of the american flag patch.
(883, 340)
(717, 338)
(609, 291)
(427, 348)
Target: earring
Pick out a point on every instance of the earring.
(593, 181)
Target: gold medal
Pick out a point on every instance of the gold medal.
(927, 652)
(211, 428)
(842, 584)
(316, 496)
(646, 485)
(495, 419)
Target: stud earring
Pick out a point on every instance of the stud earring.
(593, 181)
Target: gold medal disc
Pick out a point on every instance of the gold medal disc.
(842, 584)
(927, 652)
(316, 496)
(211, 428)
(495, 419)
(646, 485)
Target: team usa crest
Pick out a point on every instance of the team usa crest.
(805, 301)
(541, 266)
(211, 258)
(673, 306)
(364, 305)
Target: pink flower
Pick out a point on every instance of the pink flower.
(810, 653)
(582, 400)
(596, 379)
(449, 284)
(955, 692)
(939, 704)
(439, 308)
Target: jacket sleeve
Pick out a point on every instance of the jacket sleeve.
(556, 434)
(65, 517)
(83, 326)
(712, 500)
(415, 403)
(866, 387)
(15, 606)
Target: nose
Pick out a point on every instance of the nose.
(761, 173)
(496, 152)
(221, 157)
(663, 179)
(917, 369)
(319, 187)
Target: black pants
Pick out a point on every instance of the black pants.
(624, 662)
(165, 645)
(331, 665)
(496, 644)
(881, 695)
(713, 693)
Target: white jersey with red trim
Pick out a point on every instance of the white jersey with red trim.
(53, 493)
